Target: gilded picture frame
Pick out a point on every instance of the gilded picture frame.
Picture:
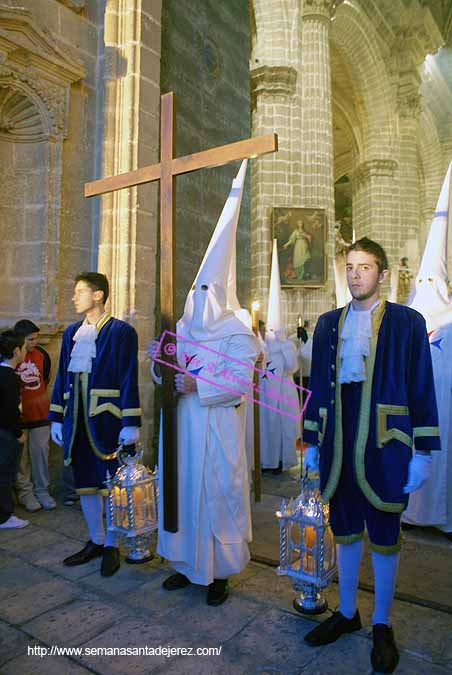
(301, 234)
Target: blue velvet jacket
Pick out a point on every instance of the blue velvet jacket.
(398, 404)
(109, 392)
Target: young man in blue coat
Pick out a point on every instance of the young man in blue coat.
(373, 400)
(95, 406)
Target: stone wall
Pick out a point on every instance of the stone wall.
(205, 52)
(95, 114)
(365, 68)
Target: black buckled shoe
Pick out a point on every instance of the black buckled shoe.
(176, 581)
(331, 629)
(111, 562)
(217, 592)
(89, 552)
(385, 655)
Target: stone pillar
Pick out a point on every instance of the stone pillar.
(317, 188)
(410, 204)
(376, 203)
(128, 218)
(412, 45)
(272, 176)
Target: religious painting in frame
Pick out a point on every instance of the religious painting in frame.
(301, 234)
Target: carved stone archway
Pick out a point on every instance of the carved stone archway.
(35, 80)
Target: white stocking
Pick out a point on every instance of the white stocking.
(385, 573)
(92, 507)
(348, 562)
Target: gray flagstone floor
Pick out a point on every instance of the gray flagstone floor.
(46, 606)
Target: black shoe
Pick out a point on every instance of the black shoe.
(111, 562)
(385, 655)
(278, 470)
(176, 581)
(217, 592)
(407, 526)
(331, 629)
(88, 553)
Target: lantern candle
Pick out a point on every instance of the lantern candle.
(255, 316)
(138, 506)
(309, 536)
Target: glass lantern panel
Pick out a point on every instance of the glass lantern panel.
(124, 514)
(138, 506)
(310, 536)
(295, 534)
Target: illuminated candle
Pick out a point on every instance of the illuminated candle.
(255, 316)
(138, 506)
(309, 536)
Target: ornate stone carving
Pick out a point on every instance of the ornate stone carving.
(19, 118)
(373, 168)
(47, 100)
(34, 67)
(273, 81)
(409, 105)
(320, 9)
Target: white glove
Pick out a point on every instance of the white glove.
(56, 431)
(154, 349)
(311, 458)
(129, 435)
(418, 472)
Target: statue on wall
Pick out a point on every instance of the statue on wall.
(405, 282)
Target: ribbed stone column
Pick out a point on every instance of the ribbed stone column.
(130, 126)
(272, 176)
(317, 178)
(376, 203)
(410, 211)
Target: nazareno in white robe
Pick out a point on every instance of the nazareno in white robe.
(214, 500)
(279, 432)
(432, 504)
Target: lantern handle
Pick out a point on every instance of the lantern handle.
(125, 451)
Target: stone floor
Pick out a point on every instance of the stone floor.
(44, 604)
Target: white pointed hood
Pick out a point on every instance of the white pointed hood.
(432, 296)
(212, 300)
(274, 326)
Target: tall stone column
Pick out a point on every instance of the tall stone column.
(317, 176)
(412, 45)
(272, 176)
(129, 127)
(376, 203)
(410, 212)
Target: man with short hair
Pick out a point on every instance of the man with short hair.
(95, 405)
(32, 482)
(372, 397)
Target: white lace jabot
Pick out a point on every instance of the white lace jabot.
(84, 349)
(356, 334)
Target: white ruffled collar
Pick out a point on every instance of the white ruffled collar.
(84, 349)
(356, 333)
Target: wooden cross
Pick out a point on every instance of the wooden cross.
(166, 171)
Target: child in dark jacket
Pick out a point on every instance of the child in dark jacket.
(12, 353)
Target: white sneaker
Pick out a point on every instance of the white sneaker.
(30, 503)
(47, 502)
(14, 522)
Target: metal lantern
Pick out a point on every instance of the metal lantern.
(307, 550)
(132, 504)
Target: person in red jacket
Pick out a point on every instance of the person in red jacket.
(32, 483)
